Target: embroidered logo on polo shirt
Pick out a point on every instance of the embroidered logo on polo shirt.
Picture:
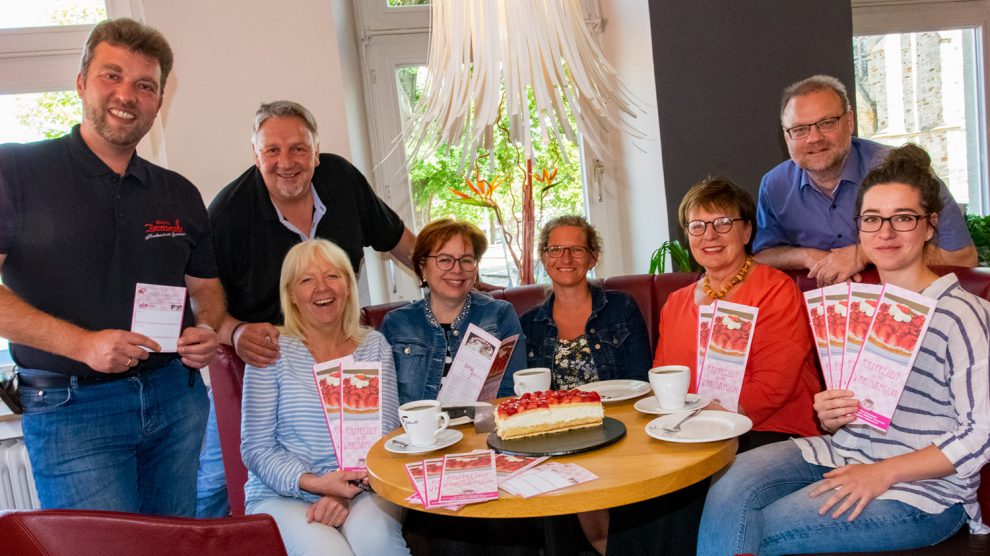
(163, 228)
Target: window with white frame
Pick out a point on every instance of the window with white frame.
(395, 36)
(920, 78)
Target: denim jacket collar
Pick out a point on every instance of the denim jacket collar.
(432, 319)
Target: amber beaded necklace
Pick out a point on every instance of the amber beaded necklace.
(739, 277)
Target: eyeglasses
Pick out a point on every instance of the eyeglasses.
(446, 262)
(576, 251)
(824, 125)
(899, 222)
(721, 225)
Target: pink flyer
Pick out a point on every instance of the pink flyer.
(360, 412)
(705, 313)
(327, 375)
(892, 344)
(836, 304)
(477, 369)
(728, 350)
(863, 299)
(508, 466)
(467, 478)
(816, 317)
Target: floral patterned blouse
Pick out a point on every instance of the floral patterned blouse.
(572, 364)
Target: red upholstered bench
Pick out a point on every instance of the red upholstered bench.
(48, 532)
(650, 293)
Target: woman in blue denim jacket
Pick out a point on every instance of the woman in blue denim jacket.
(582, 332)
(425, 335)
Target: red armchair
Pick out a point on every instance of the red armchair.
(85, 532)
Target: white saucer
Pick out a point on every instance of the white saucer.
(448, 437)
(617, 390)
(652, 406)
(707, 426)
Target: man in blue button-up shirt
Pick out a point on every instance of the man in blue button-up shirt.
(807, 204)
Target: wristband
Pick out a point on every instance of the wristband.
(207, 327)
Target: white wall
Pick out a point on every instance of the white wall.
(642, 204)
(231, 55)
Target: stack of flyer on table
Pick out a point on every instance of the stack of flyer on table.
(455, 480)
(352, 403)
(867, 338)
(725, 336)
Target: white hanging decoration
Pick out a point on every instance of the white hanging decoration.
(543, 46)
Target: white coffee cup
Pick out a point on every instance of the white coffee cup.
(536, 379)
(670, 385)
(423, 421)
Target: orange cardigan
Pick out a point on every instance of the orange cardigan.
(780, 381)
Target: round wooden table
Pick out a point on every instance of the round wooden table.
(635, 468)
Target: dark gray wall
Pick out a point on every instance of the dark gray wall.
(720, 68)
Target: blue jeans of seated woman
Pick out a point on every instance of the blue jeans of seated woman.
(129, 445)
(761, 506)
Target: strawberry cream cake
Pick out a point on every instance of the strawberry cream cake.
(547, 412)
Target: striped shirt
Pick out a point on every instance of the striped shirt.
(946, 402)
(283, 429)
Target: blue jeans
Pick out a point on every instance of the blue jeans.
(761, 506)
(211, 481)
(129, 445)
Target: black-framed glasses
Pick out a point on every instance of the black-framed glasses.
(824, 125)
(721, 225)
(906, 222)
(579, 252)
(446, 262)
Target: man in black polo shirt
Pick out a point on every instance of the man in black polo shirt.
(110, 421)
(292, 193)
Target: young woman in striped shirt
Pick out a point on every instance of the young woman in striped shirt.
(860, 489)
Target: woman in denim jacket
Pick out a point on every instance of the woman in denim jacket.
(582, 332)
(425, 335)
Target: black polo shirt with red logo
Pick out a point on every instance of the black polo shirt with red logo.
(78, 237)
(251, 241)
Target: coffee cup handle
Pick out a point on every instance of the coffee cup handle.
(443, 421)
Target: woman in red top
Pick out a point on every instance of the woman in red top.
(780, 381)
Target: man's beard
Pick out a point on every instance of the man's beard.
(126, 137)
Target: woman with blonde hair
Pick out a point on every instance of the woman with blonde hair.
(293, 472)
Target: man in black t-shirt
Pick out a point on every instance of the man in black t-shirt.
(111, 420)
(292, 193)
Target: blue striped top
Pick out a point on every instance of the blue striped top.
(946, 402)
(283, 430)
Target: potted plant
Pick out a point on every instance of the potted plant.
(979, 230)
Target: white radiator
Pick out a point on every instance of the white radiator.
(17, 490)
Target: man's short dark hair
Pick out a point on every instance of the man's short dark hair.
(284, 109)
(134, 36)
(813, 84)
